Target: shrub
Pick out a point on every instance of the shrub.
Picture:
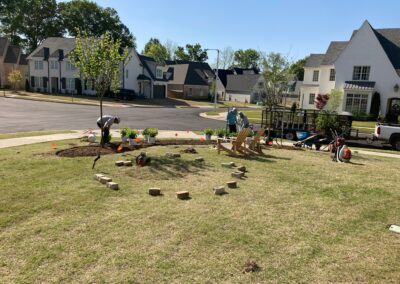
(326, 121)
(108, 138)
(232, 134)
(375, 105)
(362, 116)
(132, 134)
(124, 131)
(208, 131)
(152, 132)
(220, 132)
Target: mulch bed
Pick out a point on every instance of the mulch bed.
(94, 149)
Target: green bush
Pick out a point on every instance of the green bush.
(152, 132)
(232, 134)
(208, 131)
(124, 131)
(327, 120)
(132, 134)
(362, 116)
(220, 132)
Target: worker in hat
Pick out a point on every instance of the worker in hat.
(105, 123)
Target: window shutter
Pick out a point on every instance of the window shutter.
(32, 81)
(63, 83)
(44, 82)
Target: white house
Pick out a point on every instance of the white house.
(51, 71)
(368, 63)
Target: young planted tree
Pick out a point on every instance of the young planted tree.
(15, 77)
(99, 60)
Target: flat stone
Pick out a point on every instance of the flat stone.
(199, 159)
(176, 155)
(128, 163)
(226, 165)
(219, 190)
(119, 163)
(105, 179)
(232, 164)
(182, 194)
(241, 169)
(98, 176)
(112, 185)
(238, 174)
(232, 184)
(154, 191)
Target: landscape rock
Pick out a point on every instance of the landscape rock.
(176, 155)
(105, 179)
(128, 163)
(119, 163)
(232, 164)
(190, 150)
(154, 191)
(226, 165)
(219, 190)
(238, 174)
(232, 184)
(98, 176)
(112, 185)
(241, 169)
(182, 195)
(199, 159)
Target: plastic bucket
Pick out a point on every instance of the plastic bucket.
(302, 135)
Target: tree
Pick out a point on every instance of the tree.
(335, 99)
(15, 77)
(171, 48)
(99, 60)
(94, 20)
(191, 53)
(226, 58)
(275, 75)
(29, 22)
(156, 50)
(248, 58)
(375, 105)
(297, 69)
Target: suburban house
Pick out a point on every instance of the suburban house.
(11, 58)
(239, 85)
(145, 76)
(368, 63)
(188, 79)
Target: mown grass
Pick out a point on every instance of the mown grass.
(33, 133)
(299, 216)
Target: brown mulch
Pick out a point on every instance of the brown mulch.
(251, 266)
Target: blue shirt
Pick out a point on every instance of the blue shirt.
(231, 118)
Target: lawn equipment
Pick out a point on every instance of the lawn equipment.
(339, 151)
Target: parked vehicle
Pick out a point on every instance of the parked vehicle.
(125, 94)
(388, 133)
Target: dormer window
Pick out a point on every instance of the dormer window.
(361, 73)
(315, 77)
(159, 73)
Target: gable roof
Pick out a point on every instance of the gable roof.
(150, 65)
(3, 45)
(314, 60)
(54, 44)
(191, 73)
(333, 52)
(390, 42)
(222, 75)
(242, 83)
(12, 54)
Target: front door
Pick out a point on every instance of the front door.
(54, 84)
(393, 110)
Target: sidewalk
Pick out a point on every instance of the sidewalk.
(13, 142)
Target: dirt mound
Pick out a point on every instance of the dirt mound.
(90, 151)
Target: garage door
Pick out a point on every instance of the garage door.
(159, 92)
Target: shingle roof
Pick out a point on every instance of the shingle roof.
(191, 73)
(222, 75)
(22, 59)
(314, 60)
(242, 83)
(390, 42)
(142, 77)
(3, 44)
(151, 65)
(333, 52)
(54, 43)
(248, 71)
(359, 85)
(12, 54)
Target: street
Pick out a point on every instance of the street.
(18, 115)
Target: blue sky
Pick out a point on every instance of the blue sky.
(294, 28)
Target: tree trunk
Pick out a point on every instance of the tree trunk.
(102, 123)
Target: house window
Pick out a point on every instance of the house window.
(332, 75)
(89, 85)
(356, 103)
(71, 83)
(38, 65)
(126, 74)
(311, 99)
(361, 73)
(38, 82)
(159, 73)
(53, 65)
(315, 76)
(69, 66)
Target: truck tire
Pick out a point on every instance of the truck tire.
(396, 143)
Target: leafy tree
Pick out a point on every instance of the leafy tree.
(191, 53)
(99, 60)
(335, 98)
(156, 50)
(226, 58)
(94, 20)
(297, 69)
(171, 48)
(248, 58)
(15, 77)
(29, 22)
(275, 75)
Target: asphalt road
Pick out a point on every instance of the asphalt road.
(18, 115)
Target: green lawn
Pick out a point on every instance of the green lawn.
(34, 133)
(254, 115)
(299, 216)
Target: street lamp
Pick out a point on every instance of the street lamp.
(216, 75)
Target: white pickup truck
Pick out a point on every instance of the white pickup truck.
(388, 133)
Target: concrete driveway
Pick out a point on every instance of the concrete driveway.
(23, 115)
